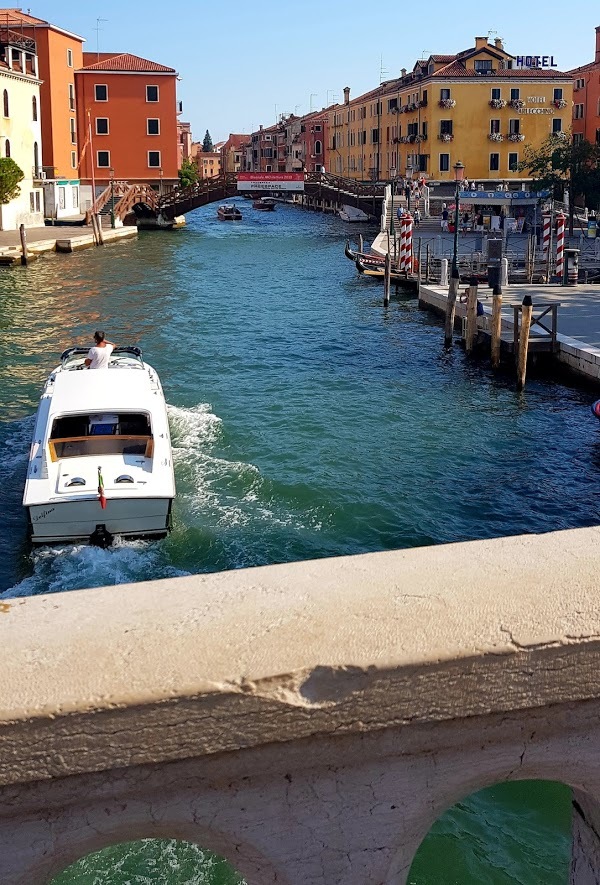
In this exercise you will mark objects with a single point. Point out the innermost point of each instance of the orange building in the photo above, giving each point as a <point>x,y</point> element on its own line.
<point>232,153</point>
<point>208,162</point>
<point>586,99</point>
<point>59,55</point>
<point>130,105</point>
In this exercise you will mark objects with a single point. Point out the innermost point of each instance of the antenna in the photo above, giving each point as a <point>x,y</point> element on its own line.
<point>97,29</point>
<point>489,34</point>
<point>382,70</point>
<point>333,97</point>
<point>425,53</point>
<point>313,95</point>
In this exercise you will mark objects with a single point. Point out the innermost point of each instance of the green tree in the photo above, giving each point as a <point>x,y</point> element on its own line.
<point>188,174</point>
<point>10,176</point>
<point>560,165</point>
<point>207,144</point>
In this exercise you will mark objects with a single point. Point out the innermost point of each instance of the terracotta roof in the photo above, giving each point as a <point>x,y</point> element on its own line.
<point>236,140</point>
<point>583,68</point>
<point>124,61</point>
<point>442,59</point>
<point>15,16</point>
<point>457,69</point>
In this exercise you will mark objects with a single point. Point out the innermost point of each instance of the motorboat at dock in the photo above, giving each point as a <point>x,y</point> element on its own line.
<point>100,462</point>
<point>264,204</point>
<point>352,214</point>
<point>229,212</point>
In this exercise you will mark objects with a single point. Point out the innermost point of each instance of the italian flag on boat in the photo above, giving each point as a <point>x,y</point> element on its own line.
<point>101,496</point>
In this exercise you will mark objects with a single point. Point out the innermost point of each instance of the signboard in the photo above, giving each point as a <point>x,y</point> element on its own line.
<point>270,181</point>
<point>491,196</point>
<point>535,61</point>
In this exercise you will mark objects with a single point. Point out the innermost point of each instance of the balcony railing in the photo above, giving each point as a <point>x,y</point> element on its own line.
<point>496,136</point>
<point>497,103</point>
<point>38,174</point>
<point>445,136</point>
<point>447,103</point>
<point>515,136</point>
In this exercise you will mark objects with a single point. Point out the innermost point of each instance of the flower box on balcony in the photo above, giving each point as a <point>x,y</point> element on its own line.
<point>447,103</point>
<point>515,136</point>
<point>562,135</point>
<point>497,103</point>
<point>413,106</point>
<point>423,103</point>
<point>445,136</point>
<point>517,103</point>
<point>496,136</point>
<point>560,103</point>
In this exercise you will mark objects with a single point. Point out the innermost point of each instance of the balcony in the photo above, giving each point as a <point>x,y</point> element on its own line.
<point>497,103</point>
<point>446,136</point>
<point>38,174</point>
<point>515,136</point>
<point>559,103</point>
<point>517,103</point>
<point>496,136</point>
<point>447,103</point>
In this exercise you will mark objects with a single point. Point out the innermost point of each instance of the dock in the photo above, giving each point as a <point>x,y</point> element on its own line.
<point>42,240</point>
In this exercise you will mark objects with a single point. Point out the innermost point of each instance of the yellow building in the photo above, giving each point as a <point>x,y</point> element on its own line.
<point>208,162</point>
<point>481,107</point>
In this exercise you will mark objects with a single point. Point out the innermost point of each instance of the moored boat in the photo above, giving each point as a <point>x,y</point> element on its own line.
<point>378,271</point>
<point>264,204</point>
<point>229,212</point>
<point>366,257</point>
<point>352,214</point>
<point>100,462</point>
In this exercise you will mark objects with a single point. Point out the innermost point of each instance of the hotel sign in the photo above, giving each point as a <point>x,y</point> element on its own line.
<point>535,61</point>
<point>270,181</point>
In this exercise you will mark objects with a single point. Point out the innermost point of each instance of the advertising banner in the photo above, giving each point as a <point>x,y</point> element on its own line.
<point>270,181</point>
<point>592,228</point>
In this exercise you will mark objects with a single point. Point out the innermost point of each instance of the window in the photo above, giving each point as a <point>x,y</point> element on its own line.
<point>444,162</point>
<point>445,127</point>
<point>34,111</point>
<point>71,97</point>
<point>514,127</point>
<point>69,58</point>
<point>73,135</point>
<point>73,160</point>
<point>578,137</point>
<point>318,147</point>
<point>7,148</point>
<point>153,126</point>
<point>101,92</point>
<point>423,162</point>
<point>374,136</point>
<point>494,126</point>
<point>494,162</point>
<point>483,65</point>
<point>578,113</point>
<point>513,162</point>
<point>557,124</point>
<point>154,159</point>
<point>5,103</point>
<point>103,159</point>
<point>151,93</point>
<point>38,201</point>
<point>31,201</point>
<point>101,125</point>
<point>268,168</point>
<point>318,127</point>
<point>36,158</point>
<point>392,104</point>
<point>558,94</point>
<point>579,84</point>
<point>515,94</point>
<point>444,93</point>
<point>496,94</point>
<point>75,192</point>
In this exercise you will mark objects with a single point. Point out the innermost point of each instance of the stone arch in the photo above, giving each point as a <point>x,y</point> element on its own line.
<point>77,843</point>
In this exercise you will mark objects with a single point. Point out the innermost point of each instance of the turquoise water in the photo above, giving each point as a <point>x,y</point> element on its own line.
<point>307,420</point>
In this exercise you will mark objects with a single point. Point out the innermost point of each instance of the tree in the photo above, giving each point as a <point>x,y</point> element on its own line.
<point>10,176</point>
<point>207,144</point>
<point>188,174</point>
<point>560,165</point>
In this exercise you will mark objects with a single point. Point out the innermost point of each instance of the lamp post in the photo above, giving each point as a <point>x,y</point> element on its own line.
<point>459,174</point>
<point>112,197</point>
<point>160,186</point>
<point>409,175</point>
<point>394,177</point>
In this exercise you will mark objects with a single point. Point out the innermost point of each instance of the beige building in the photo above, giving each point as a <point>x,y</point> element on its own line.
<point>208,162</point>
<point>20,127</point>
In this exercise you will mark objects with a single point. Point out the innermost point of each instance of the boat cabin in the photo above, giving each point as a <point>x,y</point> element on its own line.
<point>94,433</point>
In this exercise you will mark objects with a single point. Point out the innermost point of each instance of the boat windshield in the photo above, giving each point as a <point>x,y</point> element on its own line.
<point>76,436</point>
<point>74,357</point>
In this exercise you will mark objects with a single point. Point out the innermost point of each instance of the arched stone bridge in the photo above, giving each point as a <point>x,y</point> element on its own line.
<point>307,721</point>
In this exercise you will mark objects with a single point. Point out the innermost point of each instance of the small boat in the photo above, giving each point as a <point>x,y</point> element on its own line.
<point>366,257</point>
<point>352,214</point>
<point>264,204</point>
<point>229,212</point>
<point>378,271</point>
<point>100,462</point>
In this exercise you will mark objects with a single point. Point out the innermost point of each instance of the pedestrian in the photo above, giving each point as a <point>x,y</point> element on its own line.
<point>417,217</point>
<point>465,222</point>
<point>444,219</point>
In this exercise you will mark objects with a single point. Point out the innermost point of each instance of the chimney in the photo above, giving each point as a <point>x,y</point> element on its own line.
<point>403,72</point>
<point>346,95</point>
<point>597,45</point>
<point>480,42</point>
<point>498,43</point>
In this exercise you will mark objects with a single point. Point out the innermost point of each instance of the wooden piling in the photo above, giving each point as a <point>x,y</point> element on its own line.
<point>23,237</point>
<point>427,263</point>
<point>419,257</point>
<point>471,315</point>
<point>451,310</point>
<point>496,326</point>
<point>99,229</point>
<point>360,243</point>
<point>386,280</point>
<point>526,313</point>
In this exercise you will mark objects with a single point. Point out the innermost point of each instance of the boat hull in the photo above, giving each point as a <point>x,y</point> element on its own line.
<point>63,521</point>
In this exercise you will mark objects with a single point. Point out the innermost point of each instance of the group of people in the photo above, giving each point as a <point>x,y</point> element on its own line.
<point>416,215</point>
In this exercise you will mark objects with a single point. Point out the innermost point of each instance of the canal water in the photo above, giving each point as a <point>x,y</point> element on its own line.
<point>307,421</point>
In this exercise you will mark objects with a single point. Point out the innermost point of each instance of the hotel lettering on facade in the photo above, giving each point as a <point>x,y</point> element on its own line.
<point>476,107</point>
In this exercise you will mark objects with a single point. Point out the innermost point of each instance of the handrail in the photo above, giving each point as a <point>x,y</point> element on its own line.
<point>118,189</point>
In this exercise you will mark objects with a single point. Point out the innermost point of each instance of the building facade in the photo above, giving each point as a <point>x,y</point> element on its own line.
<point>263,154</point>
<point>477,107</point>
<point>208,162</point>
<point>184,142</point>
<point>20,127</point>
<point>127,108</point>
<point>586,99</point>
<point>233,153</point>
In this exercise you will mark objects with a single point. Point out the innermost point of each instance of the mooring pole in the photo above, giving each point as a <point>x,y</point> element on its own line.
<point>496,326</point>
<point>23,237</point>
<point>471,315</point>
<point>451,310</point>
<point>386,280</point>
<point>526,313</point>
<point>360,243</point>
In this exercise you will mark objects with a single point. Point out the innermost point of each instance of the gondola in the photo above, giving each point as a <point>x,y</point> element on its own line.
<point>377,271</point>
<point>366,257</point>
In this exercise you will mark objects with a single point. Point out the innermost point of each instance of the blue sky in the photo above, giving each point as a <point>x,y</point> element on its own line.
<point>240,64</point>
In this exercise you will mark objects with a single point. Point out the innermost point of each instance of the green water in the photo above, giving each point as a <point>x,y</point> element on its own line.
<point>307,421</point>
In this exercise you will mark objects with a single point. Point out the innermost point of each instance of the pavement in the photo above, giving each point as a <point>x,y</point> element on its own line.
<point>42,234</point>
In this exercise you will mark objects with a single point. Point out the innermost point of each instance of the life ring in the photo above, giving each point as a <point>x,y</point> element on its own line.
<point>596,409</point>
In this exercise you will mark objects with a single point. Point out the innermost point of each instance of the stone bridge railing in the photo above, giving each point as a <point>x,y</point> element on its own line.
<point>308,721</point>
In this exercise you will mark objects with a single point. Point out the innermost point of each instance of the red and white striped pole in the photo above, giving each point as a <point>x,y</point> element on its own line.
<point>402,255</point>
<point>408,255</point>
<point>546,232</point>
<point>560,245</point>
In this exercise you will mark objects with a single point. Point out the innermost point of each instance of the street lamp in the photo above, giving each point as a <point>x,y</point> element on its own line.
<point>459,174</point>
<point>394,177</point>
<point>409,175</point>
<point>112,197</point>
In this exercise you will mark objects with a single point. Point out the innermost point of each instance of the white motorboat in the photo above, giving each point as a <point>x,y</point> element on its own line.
<point>100,462</point>
<point>352,214</point>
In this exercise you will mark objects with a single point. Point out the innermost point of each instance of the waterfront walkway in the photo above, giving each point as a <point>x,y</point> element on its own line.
<point>55,239</point>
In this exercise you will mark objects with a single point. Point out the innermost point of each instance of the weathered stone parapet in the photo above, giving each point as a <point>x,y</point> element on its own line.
<point>316,717</point>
